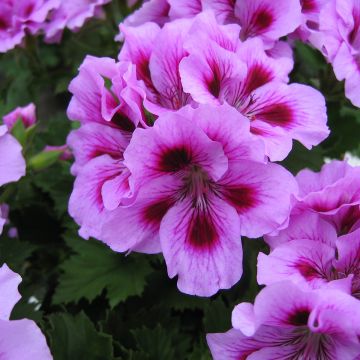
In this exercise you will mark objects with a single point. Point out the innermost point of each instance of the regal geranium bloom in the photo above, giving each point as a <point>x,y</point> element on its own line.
<point>106,92</point>
<point>20,16</point>
<point>106,101</point>
<point>339,40</point>
<point>310,254</point>
<point>157,54</point>
<point>245,77</point>
<point>26,114</point>
<point>203,183</point>
<point>267,19</point>
<point>72,15</point>
<point>20,339</point>
<point>286,322</point>
<point>12,163</point>
<point>334,193</point>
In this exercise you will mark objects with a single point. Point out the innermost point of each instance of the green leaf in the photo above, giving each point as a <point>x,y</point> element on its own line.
<point>19,132</point>
<point>217,317</point>
<point>300,158</point>
<point>94,268</point>
<point>75,337</point>
<point>44,159</point>
<point>14,252</point>
<point>57,182</point>
<point>160,343</point>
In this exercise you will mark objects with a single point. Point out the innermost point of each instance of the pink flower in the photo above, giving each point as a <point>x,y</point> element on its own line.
<point>106,92</point>
<point>71,14</point>
<point>267,19</point>
<point>12,163</point>
<point>17,17</point>
<point>320,246</point>
<point>314,264</point>
<point>201,183</point>
<point>106,101</point>
<point>26,114</point>
<point>334,193</point>
<point>157,54</point>
<point>20,339</point>
<point>339,40</point>
<point>222,69</point>
<point>286,322</point>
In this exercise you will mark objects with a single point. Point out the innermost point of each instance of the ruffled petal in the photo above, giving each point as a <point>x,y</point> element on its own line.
<point>199,240</point>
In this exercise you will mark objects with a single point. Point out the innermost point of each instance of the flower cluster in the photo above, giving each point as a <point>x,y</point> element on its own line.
<point>176,138</point>
<point>310,306</point>
<point>51,17</point>
<point>20,339</point>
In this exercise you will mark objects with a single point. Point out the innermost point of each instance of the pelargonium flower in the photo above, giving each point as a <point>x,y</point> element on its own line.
<point>339,40</point>
<point>244,76</point>
<point>201,182</point>
<point>334,193</point>
<point>313,257</point>
<point>71,14</point>
<point>157,54</point>
<point>286,322</point>
<point>106,101</point>
<point>26,114</point>
<point>17,17</point>
<point>20,339</point>
<point>268,20</point>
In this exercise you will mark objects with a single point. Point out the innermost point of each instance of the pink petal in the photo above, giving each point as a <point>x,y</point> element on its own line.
<point>12,163</point>
<point>184,8</point>
<point>93,140</point>
<point>9,294</point>
<point>86,204</point>
<point>254,190</point>
<point>298,109</point>
<point>137,227</point>
<point>306,263</point>
<point>227,126</point>
<point>23,340</point>
<point>26,114</point>
<point>212,74</point>
<point>164,65</point>
<point>268,19</point>
<point>232,345</point>
<point>202,246</point>
<point>305,226</point>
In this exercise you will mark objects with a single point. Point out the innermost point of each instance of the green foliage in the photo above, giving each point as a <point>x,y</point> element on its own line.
<point>91,302</point>
<point>75,337</point>
<point>94,268</point>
